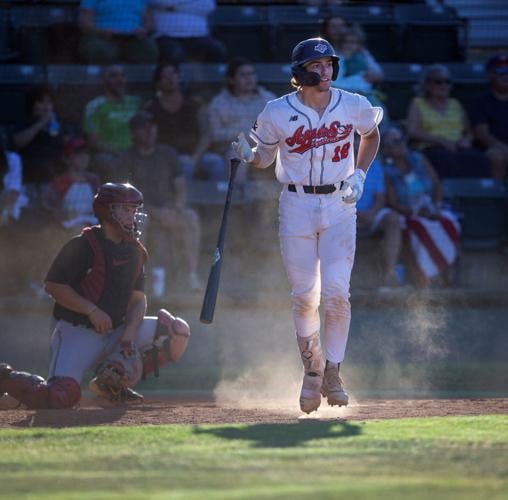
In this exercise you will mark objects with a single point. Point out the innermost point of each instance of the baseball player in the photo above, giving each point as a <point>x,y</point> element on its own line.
<point>97,282</point>
<point>310,133</point>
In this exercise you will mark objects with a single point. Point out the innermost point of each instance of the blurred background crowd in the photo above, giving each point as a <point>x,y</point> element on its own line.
<point>154,91</point>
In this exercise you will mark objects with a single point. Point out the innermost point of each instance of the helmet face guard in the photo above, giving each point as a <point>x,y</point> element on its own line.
<point>309,50</point>
<point>118,205</point>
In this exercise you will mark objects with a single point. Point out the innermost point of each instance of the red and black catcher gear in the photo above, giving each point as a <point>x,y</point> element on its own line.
<point>113,193</point>
<point>307,51</point>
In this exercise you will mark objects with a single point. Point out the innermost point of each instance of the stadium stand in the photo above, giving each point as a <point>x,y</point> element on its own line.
<point>430,33</point>
<point>38,41</point>
<point>481,204</point>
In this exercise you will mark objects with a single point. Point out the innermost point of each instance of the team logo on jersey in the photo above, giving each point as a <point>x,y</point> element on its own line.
<point>304,140</point>
<point>321,48</point>
<point>293,118</point>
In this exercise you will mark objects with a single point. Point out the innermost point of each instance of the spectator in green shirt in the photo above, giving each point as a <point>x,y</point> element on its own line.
<point>106,121</point>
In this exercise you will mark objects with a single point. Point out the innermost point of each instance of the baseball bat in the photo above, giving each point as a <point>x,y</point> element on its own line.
<point>212,286</point>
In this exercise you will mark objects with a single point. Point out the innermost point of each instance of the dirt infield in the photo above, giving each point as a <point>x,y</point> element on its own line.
<point>207,411</point>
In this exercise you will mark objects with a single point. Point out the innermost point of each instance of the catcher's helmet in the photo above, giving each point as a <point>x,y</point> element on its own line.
<point>307,51</point>
<point>113,193</point>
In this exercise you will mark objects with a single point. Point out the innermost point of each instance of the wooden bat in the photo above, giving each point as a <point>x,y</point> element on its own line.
<point>212,286</point>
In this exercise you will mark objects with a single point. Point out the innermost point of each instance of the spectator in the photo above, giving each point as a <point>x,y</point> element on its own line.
<point>116,31</point>
<point>39,142</point>
<point>154,168</point>
<point>12,199</point>
<point>358,70</point>
<point>375,218</point>
<point>106,120</point>
<point>182,32</point>
<point>490,116</point>
<point>334,29</point>
<point>70,195</point>
<point>431,233</point>
<point>438,125</point>
<point>236,108</point>
<point>181,121</point>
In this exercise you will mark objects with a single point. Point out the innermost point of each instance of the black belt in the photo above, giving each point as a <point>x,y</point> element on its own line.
<point>323,189</point>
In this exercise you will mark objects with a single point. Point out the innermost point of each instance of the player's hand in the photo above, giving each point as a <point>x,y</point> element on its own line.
<point>355,183</point>
<point>100,320</point>
<point>242,149</point>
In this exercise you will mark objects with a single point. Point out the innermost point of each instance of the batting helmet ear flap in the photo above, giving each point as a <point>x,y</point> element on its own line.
<point>335,66</point>
<point>304,77</point>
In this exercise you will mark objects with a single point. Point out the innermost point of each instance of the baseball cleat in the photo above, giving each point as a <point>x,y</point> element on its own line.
<point>7,402</point>
<point>116,397</point>
<point>333,388</point>
<point>310,395</point>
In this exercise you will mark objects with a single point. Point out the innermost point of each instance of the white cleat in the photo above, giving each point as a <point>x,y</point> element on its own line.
<point>310,395</point>
<point>333,388</point>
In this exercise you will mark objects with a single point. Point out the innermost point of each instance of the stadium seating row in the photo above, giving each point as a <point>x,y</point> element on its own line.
<point>268,33</point>
<point>82,82</point>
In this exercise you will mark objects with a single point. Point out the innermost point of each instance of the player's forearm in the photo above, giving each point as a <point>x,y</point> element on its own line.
<point>69,298</point>
<point>263,157</point>
<point>367,150</point>
<point>136,311</point>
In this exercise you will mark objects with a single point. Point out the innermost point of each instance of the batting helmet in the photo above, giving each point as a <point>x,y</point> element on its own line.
<point>112,193</point>
<point>307,51</point>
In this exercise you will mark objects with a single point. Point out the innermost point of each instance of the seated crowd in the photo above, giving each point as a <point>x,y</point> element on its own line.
<point>173,137</point>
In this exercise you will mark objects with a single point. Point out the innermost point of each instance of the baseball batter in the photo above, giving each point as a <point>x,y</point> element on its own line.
<point>310,133</point>
<point>97,283</point>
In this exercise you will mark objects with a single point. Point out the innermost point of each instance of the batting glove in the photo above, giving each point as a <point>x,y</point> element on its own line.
<point>355,182</point>
<point>242,149</point>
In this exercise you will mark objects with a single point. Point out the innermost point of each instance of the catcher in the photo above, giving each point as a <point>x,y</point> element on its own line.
<point>97,282</point>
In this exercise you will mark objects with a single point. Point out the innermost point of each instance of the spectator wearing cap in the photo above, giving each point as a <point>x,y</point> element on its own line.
<point>70,195</point>
<point>182,31</point>
<point>437,124</point>
<point>116,30</point>
<point>490,115</point>
<point>106,120</point>
<point>155,170</point>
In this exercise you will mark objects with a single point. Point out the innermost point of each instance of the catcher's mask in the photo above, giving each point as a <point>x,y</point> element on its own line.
<point>306,51</point>
<point>118,204</point>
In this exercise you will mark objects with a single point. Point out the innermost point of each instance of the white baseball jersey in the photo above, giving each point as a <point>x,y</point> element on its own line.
<point>314,150</point>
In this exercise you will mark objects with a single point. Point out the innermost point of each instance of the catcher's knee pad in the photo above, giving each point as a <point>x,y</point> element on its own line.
<point>64,392</point>
<point>35,393</point>
<point>170,342</point>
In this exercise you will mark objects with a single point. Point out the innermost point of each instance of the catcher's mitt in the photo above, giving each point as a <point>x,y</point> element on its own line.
<point>122,368</point>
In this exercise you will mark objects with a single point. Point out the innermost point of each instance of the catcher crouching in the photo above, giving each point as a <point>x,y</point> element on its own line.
<point>97,281</point>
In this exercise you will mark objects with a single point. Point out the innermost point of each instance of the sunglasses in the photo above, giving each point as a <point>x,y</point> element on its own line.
<point>440,81</point>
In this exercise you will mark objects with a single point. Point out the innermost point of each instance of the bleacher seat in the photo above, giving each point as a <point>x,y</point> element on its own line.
<point>430,34</point>
<point>46,33</point>
<point>481,204</point>
<point>244,30</point>
<point>293,24</point>
<point>378,24</point>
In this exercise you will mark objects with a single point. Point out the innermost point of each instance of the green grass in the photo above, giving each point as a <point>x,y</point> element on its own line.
<point>453,457</point>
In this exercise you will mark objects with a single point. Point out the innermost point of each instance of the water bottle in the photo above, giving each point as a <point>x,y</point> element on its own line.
<point>158,281</point>
<point>53,126</point>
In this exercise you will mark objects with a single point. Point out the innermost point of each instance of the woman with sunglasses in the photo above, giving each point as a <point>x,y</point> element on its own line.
<point>437,124</point>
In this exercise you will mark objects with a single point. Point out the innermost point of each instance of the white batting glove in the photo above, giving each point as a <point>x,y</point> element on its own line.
<point>242,149</point>
<point>355,182</point>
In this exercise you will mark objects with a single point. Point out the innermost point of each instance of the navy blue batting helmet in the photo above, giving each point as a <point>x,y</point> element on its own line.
<point>307,51</point>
